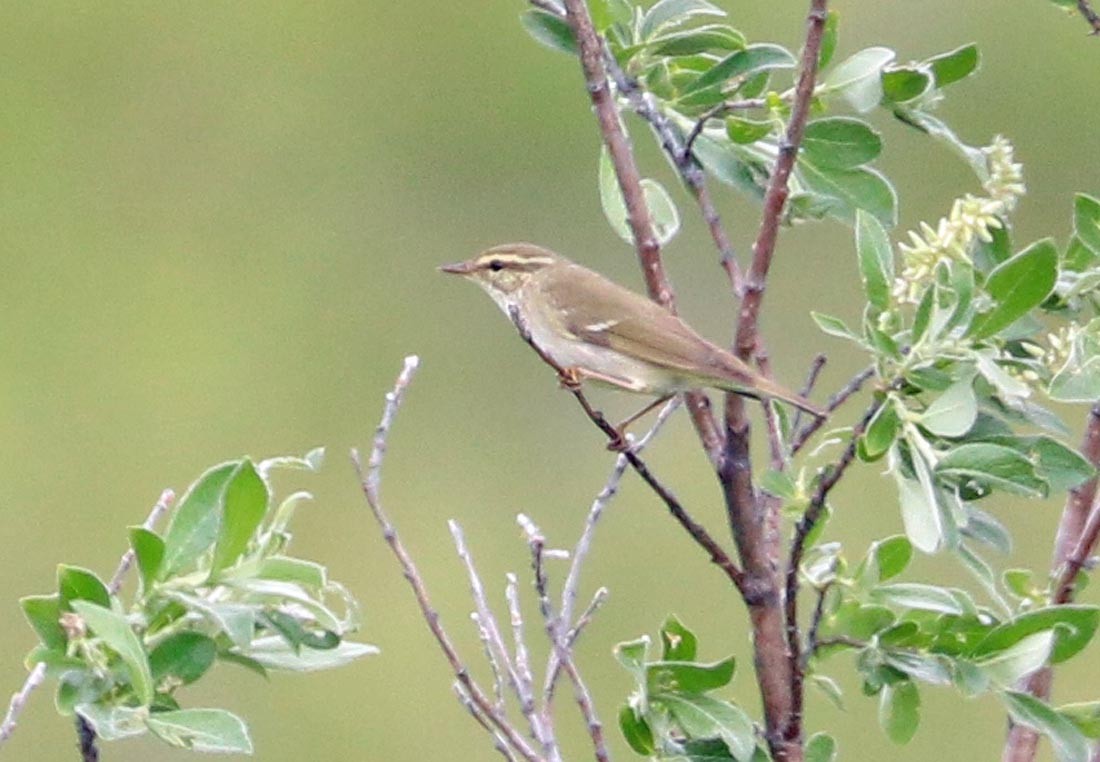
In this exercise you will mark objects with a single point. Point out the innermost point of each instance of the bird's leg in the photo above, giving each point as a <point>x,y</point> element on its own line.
<point>620,442</point>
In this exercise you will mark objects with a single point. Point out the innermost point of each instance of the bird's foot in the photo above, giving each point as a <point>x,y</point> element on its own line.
<point>570,379</point>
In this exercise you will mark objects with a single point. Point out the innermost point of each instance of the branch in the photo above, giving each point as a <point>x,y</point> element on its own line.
<point>87,737</point>
<point>1090,15</point>
<point>754,524</point>
<point>854,385</point>
<point>370,482</point>
<point>816,366</point>
<point>802,530</point>
<point>718,556</point>
<point>38,674</point>
<point>591,54</point>
<point>679,153</point>
<point>1077,536</point>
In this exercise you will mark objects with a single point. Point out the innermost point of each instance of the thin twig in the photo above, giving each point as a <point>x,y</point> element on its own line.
<point>553,670</point>
<point>702,537</point>
<point>610,489</point>
<point>716,111</point>
<point>498,740</point>
<point>803,528</point>
<point>812,634</point>
<point>583,696</point>
<point>498,656</point>
<point>38,675</point>
<point>370,482</point>
<point>816,366</point>
<point>1075,542</point>
<point>852,387</point>
<point>127,560</point>
<point>591,55</point>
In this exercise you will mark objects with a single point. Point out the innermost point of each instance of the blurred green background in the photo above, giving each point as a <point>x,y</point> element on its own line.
<point>220,223</point>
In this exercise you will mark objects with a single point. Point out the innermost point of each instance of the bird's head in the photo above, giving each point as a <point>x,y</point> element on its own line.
<point>504,270</point>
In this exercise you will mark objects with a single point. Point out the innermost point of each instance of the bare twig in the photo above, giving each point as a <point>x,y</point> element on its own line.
<point>591,54</point>
<point>1076,540</point>
<point>816,366</point>
<point>38,675</point>
<point>805,525</point>
<point>812,635</point>
<point>852,387</point>
<point>553,667</point>
<point>698,532</point>
<point>1085,8</point>
<point>498,657</point>
<point>716,111</point>
<point>537,544</point>
<point>370,482</point>
<point>499,743</point>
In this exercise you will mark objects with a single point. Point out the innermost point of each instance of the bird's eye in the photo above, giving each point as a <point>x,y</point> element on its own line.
<point>496,265</point>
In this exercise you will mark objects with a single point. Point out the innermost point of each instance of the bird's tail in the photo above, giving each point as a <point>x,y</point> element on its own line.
<point>765,387</point>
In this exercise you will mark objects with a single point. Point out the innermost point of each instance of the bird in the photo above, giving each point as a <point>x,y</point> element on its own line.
<point>593,329</point>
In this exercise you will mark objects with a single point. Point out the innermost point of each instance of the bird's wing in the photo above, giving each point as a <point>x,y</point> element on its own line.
<point>609,315</point>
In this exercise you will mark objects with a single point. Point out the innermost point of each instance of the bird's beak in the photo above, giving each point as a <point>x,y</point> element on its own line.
<point>457,268</point>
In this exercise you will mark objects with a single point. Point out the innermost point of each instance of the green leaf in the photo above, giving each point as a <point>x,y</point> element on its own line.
<point>920,514</point>
<point>1077,383</point>
<point>1017,286</point>
<point>904,83</point>
<point>828,40</point>
<point>632,655</point>
<point>955,65</point>
<point>704,717</point>
<point>1068,742</point>
<point>1006,668</point>
<point>1085,715</point>
<point>662,211</point>
<point>840,141</point>
<point>195,524</point>
<point>209,730</point>
<point>666,14</point>
<point>116,633</point>
<point>149,552</point>
<point>689,676</point>
<point>821,748</point>
<point>77,584</point>
<point>112,723</point>
<point>876,259</point>
<point>852,189</point>
<point>245,505</point>
<point>1075,626</point>
<point>885,559</point>
<point>745,131</point>
<point>680,643</point>
<point>954,412</point>
<point>184,657</point>
<point>992,465</point>
<point>698,40</point>
<point>236,620</point>
<point>274,653</point>
<point>881,432</point>
<point>829,688</point>
<point>858,79</point>
<point>742,63</point>
<point>928,668</point>
<point>285,569</point>
<point>914,595</point>
<point>833,326</point>
<point>636,731</point>
<point>607,13</point>
<point>43,613</point>
<point>899,711</point>
<point>1086,221</point>
<point>549,30</point>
